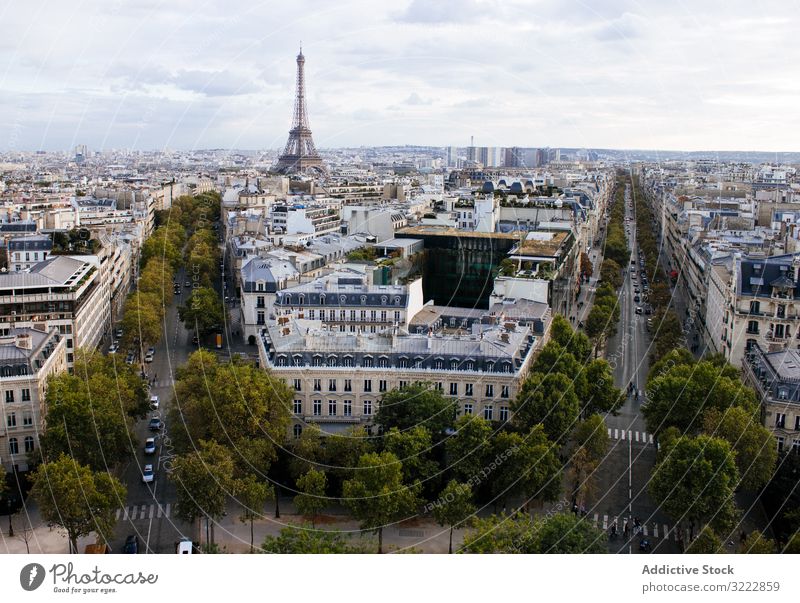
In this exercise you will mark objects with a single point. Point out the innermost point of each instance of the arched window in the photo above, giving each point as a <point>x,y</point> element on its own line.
<point>347,361</point>
<point>301,299</point>
<point>506,367</point>
<point>439,363</point>
<point>418,362</point>
<point>317,360</point>
<point>363,299</point>
<point>333,360</point>
<point>297,360</point>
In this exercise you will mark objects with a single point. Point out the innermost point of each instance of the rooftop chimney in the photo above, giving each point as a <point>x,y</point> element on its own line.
<point>24,341</point>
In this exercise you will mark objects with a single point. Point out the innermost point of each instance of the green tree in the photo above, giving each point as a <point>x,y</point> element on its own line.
<point>236,404</point>
<point>523,465</point>
<point>306,540</point>
<point>560,533</point>
<point>312,498</point>
<point>589,445</point>
<point>574,342</point>
<point>756,544</point>
<point>203,311</point>
<point>78,499</point>
<point>755,446</point>
<point>611,272</point>
<point>85,422</point>
<point>547,399</point>
<point>706,543</point>
<point>307,451</point>
<point>467,449</point>
<point>413,447</point>
<point>203,480</point>
<point>586,264</point>
<point>341,453</point>
<point>142,318</point>
<point>694,478</point>
<point>602,395</point>
<point>680,396</point>
<point>416,404</point>
<point>377,496</point>
<point>453,507</point>
<point>252,494</point>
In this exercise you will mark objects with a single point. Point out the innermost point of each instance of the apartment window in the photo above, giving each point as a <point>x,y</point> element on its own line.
<point>331,385</point>
<point>352,314</point>
<point>402,384</point>
<point>331,408</point>
<point>382,385</point>
<point>752,327</point>
<point>317,385</point>
<point>454,389</point>
<point>298,386</point>
<point>348,385</point>
<point>9,396</point>
<point>397,316</point>
<point>489,390</point>
<point>316,361</point>
<point>297,407</point>
<point>27,256</point>
<point>783,393</point>
<point>780,444</point>
<point>780,420</point>
<point>260,302</point>
<point>260,287</point>
<point>373,315</point>
<point>755,307</point>
<point>13,446</point>
<point>342,315</point>
<point>26,395</point>
<point>382,362</point>
<point>797,423</point>
<point>383,315</point>
<point>468,389</point>
<point>504,414</point>
<point>779,331</point>
<point>28,443</point>
<point>27,419</point>
<point>317,407</point>
<point>259,318</point>
<point>368,363</point>
<point>11,419</point>
<point>322,314</point>
<point>467,408</point>
<point>297,430</point>
<point>504,392</point>
<point>488,412</point>
<point>347,408</point>
<point>367,407</point>
<point>781,313</point>
<point>439,386</point>
<point>312,314</point>
<point>348,360</point>
<point>438,363</point>
<point>453,365</point>
<point>403,363</point>
<point>469,366</point>
<point>363,316</point>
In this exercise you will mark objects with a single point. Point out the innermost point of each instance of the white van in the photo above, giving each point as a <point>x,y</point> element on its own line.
<point>183,547</point>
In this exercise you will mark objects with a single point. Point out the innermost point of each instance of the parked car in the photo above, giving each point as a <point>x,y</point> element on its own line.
<point>150,446</point>
<point>156,424</point>
<point>187,284</point>
<point>154,402</point>
<point>184,546</point>
<point>147,475</point>
<point>118,333</point>
<point>113,349</point>
<point>638,310</point>
<point>131,545</point>
<point>130,358</point>
<point>636,298</point>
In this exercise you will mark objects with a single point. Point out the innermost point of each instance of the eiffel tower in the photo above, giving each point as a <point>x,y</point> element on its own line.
<point>300,154</point>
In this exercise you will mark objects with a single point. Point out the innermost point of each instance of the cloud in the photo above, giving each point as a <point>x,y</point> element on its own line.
<point>445,11</point>
<point>213,83</point>
<point>416,99</point>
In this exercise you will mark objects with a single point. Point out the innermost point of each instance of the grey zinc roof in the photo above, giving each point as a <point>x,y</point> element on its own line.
<point>786,363</point>
<point>30,243</point>
<point>54,272</point>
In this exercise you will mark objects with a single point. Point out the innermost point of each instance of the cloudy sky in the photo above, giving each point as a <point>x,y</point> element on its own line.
<point>181,74</point>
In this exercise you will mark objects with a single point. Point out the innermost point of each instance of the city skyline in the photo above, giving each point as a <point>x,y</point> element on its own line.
<point>624,76</point>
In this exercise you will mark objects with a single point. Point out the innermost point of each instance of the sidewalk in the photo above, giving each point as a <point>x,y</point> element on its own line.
<point>41,538</point>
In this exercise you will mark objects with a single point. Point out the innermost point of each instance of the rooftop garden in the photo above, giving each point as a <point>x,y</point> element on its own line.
<point>77,241</point>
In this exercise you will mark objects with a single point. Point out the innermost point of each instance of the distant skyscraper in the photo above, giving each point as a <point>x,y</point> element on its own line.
<point>300,154</point>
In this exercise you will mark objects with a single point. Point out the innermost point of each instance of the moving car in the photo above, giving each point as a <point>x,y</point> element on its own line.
<point>154,402</point>
<point>636,298</point>
<point>638,310</point>
<point>150,446</point>
<point>131,545</point>
<point>147,474</point>
<point>118,333</point>
<point>187,284</point>
<point>151,352</point>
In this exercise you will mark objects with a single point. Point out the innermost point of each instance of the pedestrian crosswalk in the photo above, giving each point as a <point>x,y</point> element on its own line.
<point>152,511</point>
<point>640,437</point>
<point>651,530</point>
